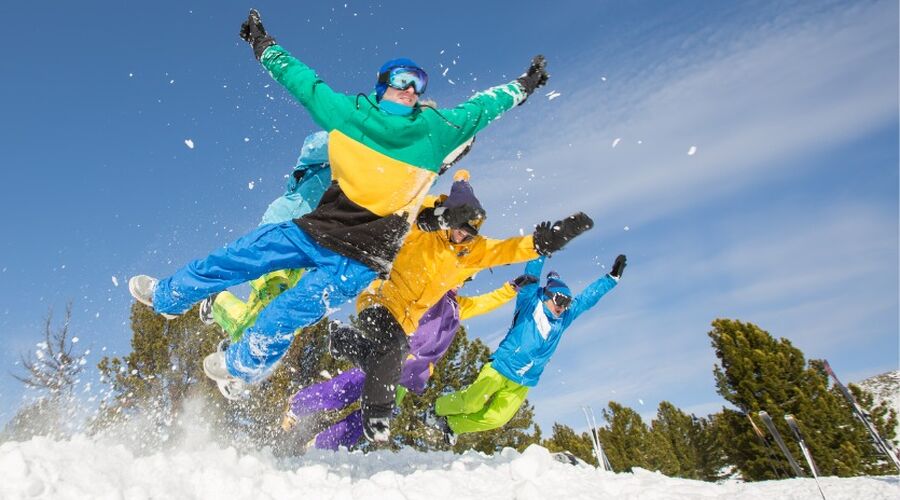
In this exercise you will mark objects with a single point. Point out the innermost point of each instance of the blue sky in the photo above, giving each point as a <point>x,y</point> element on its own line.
<point>786,215</point>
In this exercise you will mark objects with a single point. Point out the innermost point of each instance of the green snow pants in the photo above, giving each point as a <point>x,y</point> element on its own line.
<point>490,402</point>
<point>234,315</point>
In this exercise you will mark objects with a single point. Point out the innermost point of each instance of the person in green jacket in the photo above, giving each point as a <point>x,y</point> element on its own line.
<point>385,152</point>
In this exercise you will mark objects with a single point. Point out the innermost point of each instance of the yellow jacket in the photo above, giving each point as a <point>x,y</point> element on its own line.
<point>428,265</point>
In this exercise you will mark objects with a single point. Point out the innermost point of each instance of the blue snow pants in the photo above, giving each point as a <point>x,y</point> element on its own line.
<point>330,280</point>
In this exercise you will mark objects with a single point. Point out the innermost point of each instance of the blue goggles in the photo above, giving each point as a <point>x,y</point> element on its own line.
<point>404,77</point>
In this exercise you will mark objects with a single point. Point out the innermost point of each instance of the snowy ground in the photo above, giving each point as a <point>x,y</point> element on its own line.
<point>84,468</point>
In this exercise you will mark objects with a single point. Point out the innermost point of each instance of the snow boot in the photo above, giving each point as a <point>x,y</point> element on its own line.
<point>377,429</point>
<point>439,423</point>
<point>142,288</point>
<point>214,367</point>
<point>206,310</point>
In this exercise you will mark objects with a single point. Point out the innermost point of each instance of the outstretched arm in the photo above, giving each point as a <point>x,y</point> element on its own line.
<point>327,107</point>
<point>533,268</point>
<point>484,107</point>
<point>490,252</point>
<point>596,290</point>
<point>470,307</point>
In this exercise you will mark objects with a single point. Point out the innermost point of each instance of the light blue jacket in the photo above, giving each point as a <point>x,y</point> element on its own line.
<point>303,195</point>
<point>535,332</point>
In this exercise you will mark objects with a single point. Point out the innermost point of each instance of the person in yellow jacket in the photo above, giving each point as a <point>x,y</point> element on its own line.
<point>442,250</point>
<point>429,343</point>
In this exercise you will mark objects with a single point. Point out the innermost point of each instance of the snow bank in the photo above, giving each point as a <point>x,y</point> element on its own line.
<point>84,468</point>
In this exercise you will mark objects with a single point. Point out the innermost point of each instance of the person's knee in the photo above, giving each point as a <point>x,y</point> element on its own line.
<point>473,405</point>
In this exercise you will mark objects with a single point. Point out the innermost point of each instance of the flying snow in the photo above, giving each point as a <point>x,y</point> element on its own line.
<point>115,281</point>
<point>189,143</point>
<point>250,185</point>
<point>616,141</point>
<point>692,150</point>
<point>552,95</point>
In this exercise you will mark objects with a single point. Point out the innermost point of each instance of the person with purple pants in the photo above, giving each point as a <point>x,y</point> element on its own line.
<point>427,346</point>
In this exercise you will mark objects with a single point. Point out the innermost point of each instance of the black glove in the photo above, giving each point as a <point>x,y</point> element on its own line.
<point>456,217</point>
<point>535,77</point>
<point>253,32</point>
<point>549,238</point>
<point>523,280</point>
<point>618,267</point>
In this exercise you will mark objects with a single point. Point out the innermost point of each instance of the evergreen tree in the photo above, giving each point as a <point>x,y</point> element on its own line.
<point>564,438</point>
<point>692,442</point>
<point>757,372</point>
<point>625,440</point>
<point>152,382</point>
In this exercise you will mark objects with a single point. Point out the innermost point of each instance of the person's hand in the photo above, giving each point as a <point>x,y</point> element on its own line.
<point>523,281</point>
<point>253,32</point>
<point>549,238</point>
<point>535,76</point>
<point>618,267</point>
<point>456,217</point>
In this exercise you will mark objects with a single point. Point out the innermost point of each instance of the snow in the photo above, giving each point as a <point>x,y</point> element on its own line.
<point>189,143</point>
<point>89,468</point>
<point>616,141</point>
<point>115,281</point>
<point>692,150</point>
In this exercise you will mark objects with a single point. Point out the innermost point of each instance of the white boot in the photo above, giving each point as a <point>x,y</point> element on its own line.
<point>142,288</point>
<point>206,310</point>
<point>377,429</point>
<point>231,387</point>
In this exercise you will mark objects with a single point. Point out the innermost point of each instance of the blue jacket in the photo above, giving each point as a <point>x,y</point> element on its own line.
<point>303,194</point>
<point>535,332</point>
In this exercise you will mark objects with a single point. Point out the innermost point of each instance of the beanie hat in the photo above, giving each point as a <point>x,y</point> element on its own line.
<point>461,193</point>
<point>389,65</point>
<point>555,284</point>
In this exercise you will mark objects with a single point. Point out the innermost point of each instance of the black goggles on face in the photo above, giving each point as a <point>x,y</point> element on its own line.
<point>560,299</point>
<point>404,77</point>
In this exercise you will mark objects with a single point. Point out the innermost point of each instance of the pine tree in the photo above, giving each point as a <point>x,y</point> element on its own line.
<point>625,440</point>
<point>153,381</point>
<point>758,372</point>
<point>564,438</point>
<point>691,441</point>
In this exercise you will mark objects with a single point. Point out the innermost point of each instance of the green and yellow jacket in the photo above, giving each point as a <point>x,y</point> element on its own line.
<point>382,164</point>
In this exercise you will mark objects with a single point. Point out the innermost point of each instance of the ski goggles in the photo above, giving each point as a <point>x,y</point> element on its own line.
<point>404,77</point>
<point>559,299</point>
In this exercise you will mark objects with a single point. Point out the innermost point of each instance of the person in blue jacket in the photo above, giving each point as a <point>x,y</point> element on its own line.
<point>542,315</point>
<point>306,184</point>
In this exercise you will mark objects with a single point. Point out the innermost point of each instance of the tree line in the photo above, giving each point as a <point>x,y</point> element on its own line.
<point>153,387</point>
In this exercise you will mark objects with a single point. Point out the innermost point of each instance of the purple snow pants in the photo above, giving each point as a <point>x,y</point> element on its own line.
<point>333,394</point>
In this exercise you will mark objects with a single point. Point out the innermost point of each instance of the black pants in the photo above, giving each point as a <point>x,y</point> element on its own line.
<point>379,349</point>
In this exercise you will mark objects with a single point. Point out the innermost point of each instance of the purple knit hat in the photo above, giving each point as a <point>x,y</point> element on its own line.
<point>461,193</point>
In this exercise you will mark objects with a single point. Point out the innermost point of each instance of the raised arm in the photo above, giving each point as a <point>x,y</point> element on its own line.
<point>596,290</point>
<point>486,106</point>
<point>470,307</point>
<point>328,108</point>
<point>532,269</point>
<point>488,252</point>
